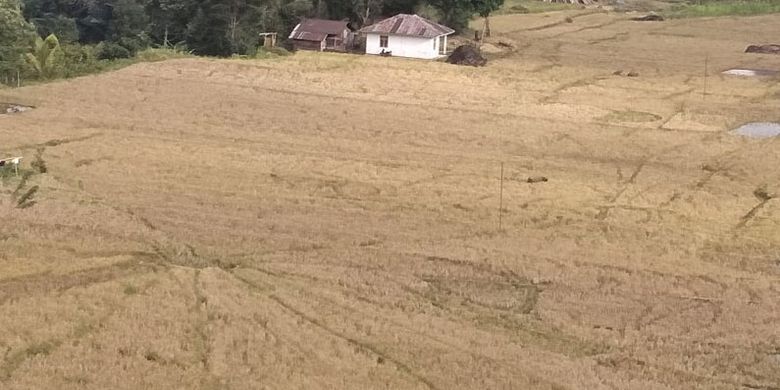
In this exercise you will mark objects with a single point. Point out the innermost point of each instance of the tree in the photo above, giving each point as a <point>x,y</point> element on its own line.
<point>168,20</point>
<point>289,13</point>
<point>360,10</point>
<point>484,8</point>
<point>392,7</point>
<point>454,13</point>
<point>43,58</point>
<point>244,19</point>
<point>128,25</point>
<point>48,19</point>
<point>15,34</point>
<point>207,31</point>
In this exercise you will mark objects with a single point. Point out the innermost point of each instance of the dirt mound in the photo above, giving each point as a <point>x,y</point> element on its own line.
<point>763,49</point>
<point>491,48</point>
<point>467,55</point>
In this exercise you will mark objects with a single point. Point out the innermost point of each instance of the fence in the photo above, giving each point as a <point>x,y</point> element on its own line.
<point>11,79</point>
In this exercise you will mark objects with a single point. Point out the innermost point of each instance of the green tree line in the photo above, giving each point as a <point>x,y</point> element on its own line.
<point>111,29</point>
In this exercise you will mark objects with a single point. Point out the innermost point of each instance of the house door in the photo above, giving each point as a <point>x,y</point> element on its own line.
<point>443,45</point>
<point>331,42</point>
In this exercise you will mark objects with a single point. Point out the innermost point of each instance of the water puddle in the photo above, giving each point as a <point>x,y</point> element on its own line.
<point>751,72</point>
<point>758,130</point>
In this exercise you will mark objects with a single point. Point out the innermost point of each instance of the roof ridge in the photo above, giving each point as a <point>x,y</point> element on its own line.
<point>409,25</point>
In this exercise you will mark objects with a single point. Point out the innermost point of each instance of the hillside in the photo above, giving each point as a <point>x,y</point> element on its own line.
<point>331,221</point>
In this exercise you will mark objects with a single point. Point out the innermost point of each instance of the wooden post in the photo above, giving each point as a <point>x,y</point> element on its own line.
<point>704,92</point>
<point>501,198</point>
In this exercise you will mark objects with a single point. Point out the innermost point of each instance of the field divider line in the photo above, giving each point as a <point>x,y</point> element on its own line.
<point>457,109</point>
<point>317,323</point>
<point>45,282</point>
<point>349,293</point>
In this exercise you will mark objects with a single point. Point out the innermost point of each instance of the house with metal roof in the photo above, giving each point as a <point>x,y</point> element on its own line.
<point>322,35</point>
<point>406,35</point>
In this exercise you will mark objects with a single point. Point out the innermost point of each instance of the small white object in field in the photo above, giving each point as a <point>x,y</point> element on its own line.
<point>11,160</point>
<point>15,108</point>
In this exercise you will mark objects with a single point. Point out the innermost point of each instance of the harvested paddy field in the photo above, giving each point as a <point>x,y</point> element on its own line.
<point>332,221</point>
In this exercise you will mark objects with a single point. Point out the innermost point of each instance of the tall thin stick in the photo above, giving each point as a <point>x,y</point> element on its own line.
<point>501,198</point>
<point>704,92</point>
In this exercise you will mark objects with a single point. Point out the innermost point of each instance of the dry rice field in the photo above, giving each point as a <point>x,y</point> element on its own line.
<point>326,221</point>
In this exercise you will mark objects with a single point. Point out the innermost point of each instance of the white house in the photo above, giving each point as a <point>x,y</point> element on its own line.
<point>407,36</point>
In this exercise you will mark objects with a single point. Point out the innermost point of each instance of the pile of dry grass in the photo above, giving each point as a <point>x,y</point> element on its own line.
<point>467,55</point>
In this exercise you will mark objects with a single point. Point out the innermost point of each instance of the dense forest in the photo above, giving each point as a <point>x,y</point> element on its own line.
<point>83,30</point>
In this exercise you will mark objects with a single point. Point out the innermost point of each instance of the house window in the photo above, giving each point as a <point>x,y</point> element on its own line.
<point>383,41</point>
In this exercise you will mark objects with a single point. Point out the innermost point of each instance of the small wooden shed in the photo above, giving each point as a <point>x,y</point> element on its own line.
<point>322,35</point>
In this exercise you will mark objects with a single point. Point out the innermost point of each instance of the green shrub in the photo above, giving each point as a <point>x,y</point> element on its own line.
<point>130,289</point>
<point>280,51</point>
<point>518,9</point>
<point>135,43</point>
<point>78,60</point>
<point>111,51</point>
<point>271,52</point>
<point>161,54</point>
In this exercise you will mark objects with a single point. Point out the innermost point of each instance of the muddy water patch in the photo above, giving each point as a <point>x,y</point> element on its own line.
<point>758,130</point>
<point>751,72</point>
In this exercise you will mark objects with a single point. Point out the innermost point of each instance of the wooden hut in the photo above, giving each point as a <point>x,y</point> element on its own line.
<point>322,35</point>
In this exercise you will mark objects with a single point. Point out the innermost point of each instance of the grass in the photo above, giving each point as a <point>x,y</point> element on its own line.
<point>8,172</point>
<point>83,67</point>
<point>130,289</point>
<point>15,359</point>
<point>146,55</point>
<point>161,54</point>
<point>713,8</point>
<point>533,7</point>
<point>271,52</point>
<point>26,200</point>
<point>326,220</point>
